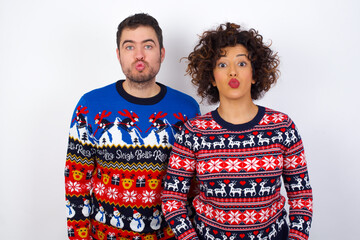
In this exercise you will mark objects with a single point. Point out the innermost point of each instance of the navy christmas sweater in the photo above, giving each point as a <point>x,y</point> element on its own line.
<point>240,169</point>
<point>118,152</point>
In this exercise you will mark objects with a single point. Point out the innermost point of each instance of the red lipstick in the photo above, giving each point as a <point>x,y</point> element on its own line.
<point>234,83</point>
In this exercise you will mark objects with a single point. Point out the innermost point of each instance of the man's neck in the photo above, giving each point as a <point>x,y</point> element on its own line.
<point>141,90</point>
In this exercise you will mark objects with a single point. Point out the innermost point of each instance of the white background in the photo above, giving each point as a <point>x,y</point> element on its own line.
<point>52,52</point>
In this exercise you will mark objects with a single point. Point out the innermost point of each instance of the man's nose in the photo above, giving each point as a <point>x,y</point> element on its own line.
<point>139,54</point>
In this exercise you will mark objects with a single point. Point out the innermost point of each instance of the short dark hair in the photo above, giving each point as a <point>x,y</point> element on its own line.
<point>202,60</point>
<point>136,20</point>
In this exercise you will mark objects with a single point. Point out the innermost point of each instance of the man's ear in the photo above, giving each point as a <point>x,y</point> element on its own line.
<point>118,54</point>
<point>162,54</point>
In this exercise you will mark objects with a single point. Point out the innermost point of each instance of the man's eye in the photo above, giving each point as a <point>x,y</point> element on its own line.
<point>148,47</point>
<point>129,47</point>
<point>242,64</point>
<point>221,65</point>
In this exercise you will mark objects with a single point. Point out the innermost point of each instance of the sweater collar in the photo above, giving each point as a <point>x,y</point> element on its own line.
<point>239,127</point>
<point>141,101</point>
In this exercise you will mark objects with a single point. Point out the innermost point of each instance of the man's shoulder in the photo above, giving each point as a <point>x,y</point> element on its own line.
<point>177,95</point>
<point>100,92</point>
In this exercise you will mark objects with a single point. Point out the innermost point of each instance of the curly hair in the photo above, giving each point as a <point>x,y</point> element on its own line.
<point>202,60</point>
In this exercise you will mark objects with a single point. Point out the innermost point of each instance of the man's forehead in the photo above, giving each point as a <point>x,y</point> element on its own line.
<point>138,34</point>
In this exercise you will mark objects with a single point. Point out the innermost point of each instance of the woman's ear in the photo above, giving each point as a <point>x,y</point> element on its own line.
<point>213,83</point>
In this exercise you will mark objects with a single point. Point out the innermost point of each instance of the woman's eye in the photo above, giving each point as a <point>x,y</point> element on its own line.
<point>221,65</point>
<point>242,64</point>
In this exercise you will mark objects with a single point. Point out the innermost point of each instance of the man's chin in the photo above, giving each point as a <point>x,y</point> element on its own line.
<point>140,80</point>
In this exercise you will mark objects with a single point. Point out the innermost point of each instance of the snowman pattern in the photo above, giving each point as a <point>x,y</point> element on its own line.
<point>156,220</point>
<point>86,210</point>
<point>137,224</point>
<point>116,219</point>
<point>100,215</point>
<point>70,213</point>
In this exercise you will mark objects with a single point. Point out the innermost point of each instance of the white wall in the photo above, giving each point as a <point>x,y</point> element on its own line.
<point>51,52</point>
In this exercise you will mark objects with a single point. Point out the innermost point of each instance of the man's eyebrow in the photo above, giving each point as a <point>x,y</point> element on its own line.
<point>149,40</point>
<point>144,41</point>
<point>127,41</point>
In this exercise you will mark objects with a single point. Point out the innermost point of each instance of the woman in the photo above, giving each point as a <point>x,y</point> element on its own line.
<point>240,151</point>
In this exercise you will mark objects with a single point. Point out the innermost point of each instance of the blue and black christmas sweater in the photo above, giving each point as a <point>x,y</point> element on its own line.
<point>118,152</point>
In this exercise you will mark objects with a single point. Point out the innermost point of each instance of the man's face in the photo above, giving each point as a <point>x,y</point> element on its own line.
<point>139,54</point>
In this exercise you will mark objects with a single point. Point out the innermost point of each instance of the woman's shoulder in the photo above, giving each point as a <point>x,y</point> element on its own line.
<point>201,122</point>
<point>276,117</point>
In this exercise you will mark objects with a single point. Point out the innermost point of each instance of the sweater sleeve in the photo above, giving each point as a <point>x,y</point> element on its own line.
<point>79,169</point>
<point>176,188</point>
<point>297,185</point>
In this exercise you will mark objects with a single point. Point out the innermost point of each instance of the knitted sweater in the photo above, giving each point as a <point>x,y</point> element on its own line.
<point>239,168</point>
<point>118,152</point>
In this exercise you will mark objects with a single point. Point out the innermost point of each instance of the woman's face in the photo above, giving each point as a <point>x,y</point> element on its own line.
<point>233,74</point>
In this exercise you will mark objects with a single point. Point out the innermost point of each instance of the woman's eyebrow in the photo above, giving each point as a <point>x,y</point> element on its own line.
<point>242,54</point>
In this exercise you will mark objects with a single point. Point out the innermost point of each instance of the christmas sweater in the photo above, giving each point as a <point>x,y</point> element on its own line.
<point>117,156</point>
<point>240,169</point>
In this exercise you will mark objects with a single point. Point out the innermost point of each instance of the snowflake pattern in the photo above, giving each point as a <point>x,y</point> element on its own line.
<point>172,205</point>
<point>112,193</point>
<point>175,161</point>
<point>250,217</point>
<point>200,167</point>
<point>265,120</point>
<point>264,215</point>
<point>280,161</point>
<point>220,215</point>
<point>251,164</point>
<point>302,159</point>
<point>233,165</point>
<point>215,165</point>
<point>234,217</point>
<point>73,186</point>
<point>199,206</point>
<point>269,163</point>
<point>99,189</point>
<point>297,204</point>
<point>209,211</point>
<point>277,117</point>
<point>148,196</point>
<point>189,165</point>
<point>201,124</point>
<point>213,125</point>
<point>129,196</point>
<point>309,204</point>
<point>291,163</point>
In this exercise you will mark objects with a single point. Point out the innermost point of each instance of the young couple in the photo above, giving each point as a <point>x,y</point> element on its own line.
<point>137,146</point>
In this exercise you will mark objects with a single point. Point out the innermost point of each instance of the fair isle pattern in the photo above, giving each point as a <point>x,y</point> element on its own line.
<point>117,157</point>
<point>240,169</point>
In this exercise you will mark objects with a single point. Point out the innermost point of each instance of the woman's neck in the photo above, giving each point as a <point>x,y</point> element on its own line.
<point>237,112</point>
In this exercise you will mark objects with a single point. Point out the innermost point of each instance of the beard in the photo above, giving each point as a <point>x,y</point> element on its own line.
<point>145,76</point>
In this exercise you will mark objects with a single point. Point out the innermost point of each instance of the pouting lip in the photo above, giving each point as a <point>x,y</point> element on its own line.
<point>234,83</point>
<point>140,65</point>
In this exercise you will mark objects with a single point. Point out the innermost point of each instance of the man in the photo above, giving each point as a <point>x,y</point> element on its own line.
<point>120,140</point>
